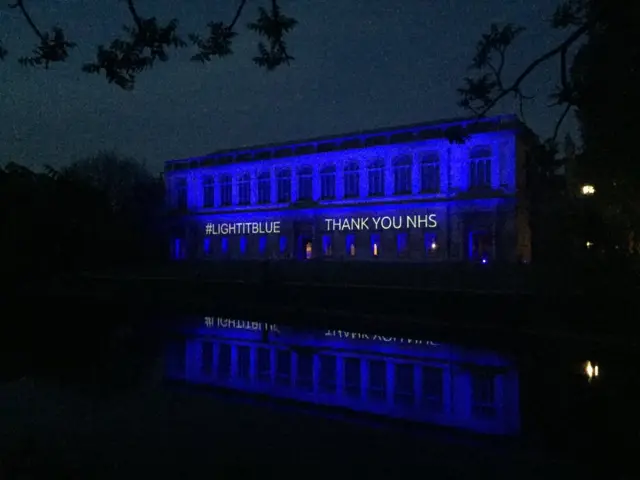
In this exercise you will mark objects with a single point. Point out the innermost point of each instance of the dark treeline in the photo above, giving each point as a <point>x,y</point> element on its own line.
<point>101,211</point>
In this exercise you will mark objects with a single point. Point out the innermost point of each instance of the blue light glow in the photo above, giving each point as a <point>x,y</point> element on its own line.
<point>405,378</point>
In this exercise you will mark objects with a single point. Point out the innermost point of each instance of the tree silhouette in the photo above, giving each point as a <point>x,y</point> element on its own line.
<point>147,41</point>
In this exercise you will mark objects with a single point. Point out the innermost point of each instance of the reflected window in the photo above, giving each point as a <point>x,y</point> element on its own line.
<point>264,188</point>
<point>402,175</point>
<point>378,380</point>
<point>328,183</point>
<point>304,376</point>
<point>305,183</point>
<point>376,178</point>
<point>483,403</point>
<point>244,362</point>
<point>263,365</point>
<point>351,180</point>
<point>432,389</point>
<point>283,368</point>
<point>404,385</point>
<point>223,371</point>
<point>226,190</point>
<point>430,173</point>
<point>244,189</point>
<point>327,381</point>
<point>208,193</point>
<point>480,167</point>
<point>353,377</point>
<point>207,358</point>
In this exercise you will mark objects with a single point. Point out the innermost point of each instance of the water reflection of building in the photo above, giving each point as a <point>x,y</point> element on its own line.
<point>403,378</point>
<point>404,193</point>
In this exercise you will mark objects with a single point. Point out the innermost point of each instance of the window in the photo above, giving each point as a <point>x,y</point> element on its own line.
<point>243,245</point>
<point>430,243</point>
<point>284,185</point>
<point>378,380</point>
<point>402,175</point>
<point>480,245</point>
<point>326,245</point>
<point>263,245</point>
<point>352,377</point>
<point>328,183</point>
<point>207,246</point>
<point>351,245</point>
<point>402,241</point>
<point>226,191</point>
<point>376,178</point>
<point>305,183</point>
<point>264,188</point>
<point>244,362</point>
<point>432,388</point>
<point>244,189</point>
<point>283,245</point>
<point>304,374</point>
<point>430,173</point>
<point>208,187</point>
<point>224,361</point>
<point>375,244</point>
<point>207,358</point>
<point>264,365</point>
<point>483,394</point>
<point>328,372</point>
<point>224,245</point>
<point>181,193</point>
<point>351,180</point>
<point>480,167</point>
<point>283,368</point>
<point>404,385</point>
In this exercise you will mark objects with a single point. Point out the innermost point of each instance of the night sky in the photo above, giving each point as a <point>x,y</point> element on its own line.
<point>359,65</point>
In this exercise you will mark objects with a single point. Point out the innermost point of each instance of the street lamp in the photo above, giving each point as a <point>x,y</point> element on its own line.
<point>588,189</point>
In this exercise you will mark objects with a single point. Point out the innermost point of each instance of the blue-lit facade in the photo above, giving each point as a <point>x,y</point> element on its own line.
<point>400,194</point>
<point>410,379</point>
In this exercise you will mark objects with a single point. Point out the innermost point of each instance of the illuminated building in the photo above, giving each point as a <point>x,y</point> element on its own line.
<point>404,378</point>
<point>405,193</point>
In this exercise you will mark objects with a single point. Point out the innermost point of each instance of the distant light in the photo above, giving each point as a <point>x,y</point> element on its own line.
<point>588,189</point>
<point>591,370</point>
<point>589,244</point>
<point>375,249</point>
<point>308,250</point>
<point>434,245</point>
<point>484,260</point>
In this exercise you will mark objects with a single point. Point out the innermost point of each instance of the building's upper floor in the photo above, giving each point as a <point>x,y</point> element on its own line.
<point>417,162</point>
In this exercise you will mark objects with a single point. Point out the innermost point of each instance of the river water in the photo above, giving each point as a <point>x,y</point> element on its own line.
<point>240,398</point>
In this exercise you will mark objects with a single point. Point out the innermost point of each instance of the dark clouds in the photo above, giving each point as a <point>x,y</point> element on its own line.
<point>358,65</point>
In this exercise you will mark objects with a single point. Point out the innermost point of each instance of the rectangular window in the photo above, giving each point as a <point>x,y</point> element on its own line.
<point>207,358</point>
<point>264,365</point>
<point>430,243</point>
<point>284,186</point>
<point>263,245</point>
<point>283,245</point>
<point>353,377</point>
<point>207,246</point>
<point>483,402</point>
<point>243,245</point>
<point>430,173</point>
<point>431,396</point>
<point>378,380</point>
<point>352,180</point>
<point>376,180</point>
<point>177,249</point>
<point>402,241</point>
<point>480,167</point>
<point>328,372</point>
<point>351,245</point>
<point>326,245</point>
<point>224,245</point>
<point>404,386</point>
<point>375,244</point>
<point>208,186</point>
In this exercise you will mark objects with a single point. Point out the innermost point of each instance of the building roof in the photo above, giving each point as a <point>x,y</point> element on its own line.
<point>454,129</point>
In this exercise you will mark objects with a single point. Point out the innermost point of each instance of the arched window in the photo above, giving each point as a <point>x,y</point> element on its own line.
<point>305,183</point>
<point>328,182</point>
<point>376,178</point>
<point>226,190</point>
<point>351,180</point>
<point>402,175</point>
<point>430,173</point>
<point>480,167</point>
<point>208,191</point>
<point>264,188</point>
<point>244,189</point>
<point>284,185</point>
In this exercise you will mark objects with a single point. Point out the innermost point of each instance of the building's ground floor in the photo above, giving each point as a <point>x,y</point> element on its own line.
<point>478,230</point>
